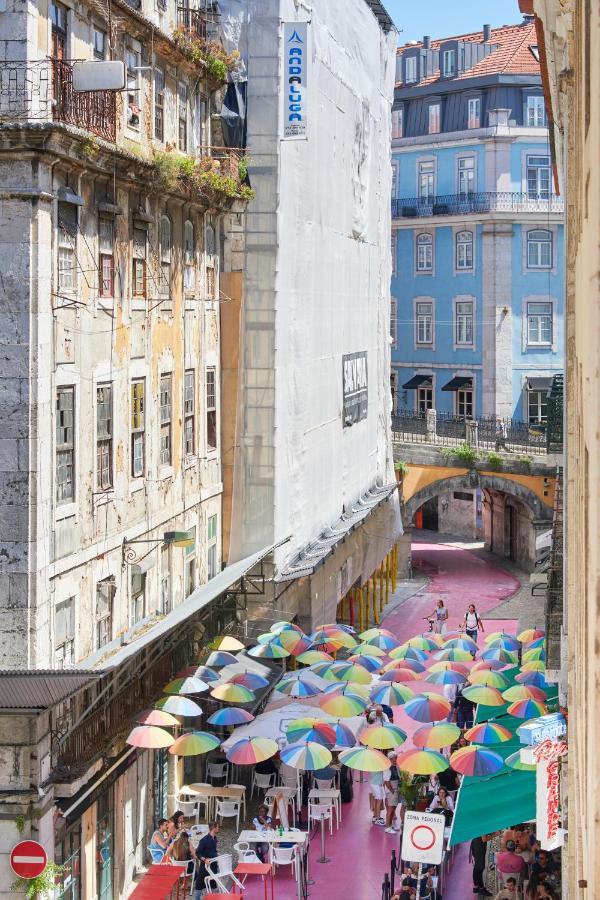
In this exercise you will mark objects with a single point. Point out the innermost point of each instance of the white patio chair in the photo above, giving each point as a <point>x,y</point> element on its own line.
<point>187,807</point>
<point>242,796</point>
<point>188,867</point>
<point>202,798</point>
<point>196,833</point>
<point>261,782</point>
<point>220,869</point>
<point>218,770</point>
<point>283,856</point>
<point>318,811</point>
<point>245,853</point>
<point>324,784</point>
<point>228,809</point>
<point>156,854</point>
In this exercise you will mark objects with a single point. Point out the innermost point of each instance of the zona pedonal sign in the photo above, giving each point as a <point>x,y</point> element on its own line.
<point>423,838</point>
<point>28,859</point>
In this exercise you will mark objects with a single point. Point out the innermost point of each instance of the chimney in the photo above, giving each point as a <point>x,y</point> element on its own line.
<point>426,42</point>
<point>487,33</point>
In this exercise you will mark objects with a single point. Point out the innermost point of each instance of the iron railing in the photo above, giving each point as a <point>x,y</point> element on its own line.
<point>555,587</point>
<point>487,432</point>
<point>555,415</point>
<point>475,203</point>
<point>193,20</point>
<point>43,90</point>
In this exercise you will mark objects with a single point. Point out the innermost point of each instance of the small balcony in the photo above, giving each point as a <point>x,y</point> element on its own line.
<point>192,20</point>
<point>475,204</point>
<point>43,91</point>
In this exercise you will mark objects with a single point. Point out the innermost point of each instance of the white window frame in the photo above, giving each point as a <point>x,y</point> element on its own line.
<point>538,244</point>
<point>66,249</point>
<point>464,323</point>
<point>395,178</point>
<point>535,111</point>
<point>534,323</point>
<point>166,586</point>
<point>394,251</point>
<point>104,625</point>
<point>133,87</point>
<point>189,413</point>
<point>474,112</point>
<point>190,566</point>
<point>466,172</point>
<point>424,253</point>
<point>449,70</point>
<point>425,397</point>
<point>541,402</point>
<point>137,598</point>
<point>65,447</point>
<point>460,398</point>
<point>158,99</point>
<point>398,123</point>
<point>212,407</point>
<point>106,439</point>
<point>410,70</point>
<point>138,427</point>
<point>464,259</point>
<point>434,118</point>
<point>424,323</point>
<point>394,323</point>
<point>212,539</point>
<point>541,174</point>
<point>64,644</point>
<point>189,256</point>
<point>166,254</point>
<point>183,116</point>
<point>99,42</point>
<point>165,409</point>
<point>426,177</point>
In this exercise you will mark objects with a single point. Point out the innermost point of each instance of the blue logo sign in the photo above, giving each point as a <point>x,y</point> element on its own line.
<point>295,72</point>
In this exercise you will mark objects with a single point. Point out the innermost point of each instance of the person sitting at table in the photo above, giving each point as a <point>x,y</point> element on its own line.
<point>181,850</point>
<point>206,849</point>
<point>411,880</point>
<point>432,786</point>
<point>509,891</point>
<point>178,820</point>
<point>444,804</point>
<point>509,862</point>
<point>262,822</point>
<point>160,836</point>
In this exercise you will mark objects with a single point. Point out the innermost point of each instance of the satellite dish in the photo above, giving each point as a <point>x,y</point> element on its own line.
<point>99,75</point>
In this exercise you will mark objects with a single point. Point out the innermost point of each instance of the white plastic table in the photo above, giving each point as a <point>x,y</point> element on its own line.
<point>272,836</point>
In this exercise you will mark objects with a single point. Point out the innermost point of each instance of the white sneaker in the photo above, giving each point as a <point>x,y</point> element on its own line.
<point>390,830</point>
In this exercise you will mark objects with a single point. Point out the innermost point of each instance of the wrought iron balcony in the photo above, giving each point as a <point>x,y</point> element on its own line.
<point>43,91</point>
<point>474,204</point>
<point>491,433</point>
<point>193,20</point>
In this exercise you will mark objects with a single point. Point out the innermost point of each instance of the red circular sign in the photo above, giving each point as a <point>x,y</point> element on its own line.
<point>28,859</point>
<point>425,840</point>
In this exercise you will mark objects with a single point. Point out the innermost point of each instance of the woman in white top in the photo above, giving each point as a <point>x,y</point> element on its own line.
<point>440,617</point>
<point>473,623</point>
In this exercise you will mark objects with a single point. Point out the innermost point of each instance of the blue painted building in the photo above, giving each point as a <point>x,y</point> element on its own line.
<point>477,241</point>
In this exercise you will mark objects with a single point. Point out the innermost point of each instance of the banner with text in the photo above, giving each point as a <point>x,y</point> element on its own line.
<point>295,80</point>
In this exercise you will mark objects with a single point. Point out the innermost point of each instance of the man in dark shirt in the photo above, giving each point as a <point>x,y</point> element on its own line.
<point>449,780</point>
<point>477,856</point>
<point>544,864</point>
<point>206,849</point>
<point>465,711</point>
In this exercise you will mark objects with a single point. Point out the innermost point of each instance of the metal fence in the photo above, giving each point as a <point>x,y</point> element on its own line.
<point>486,432</point>
<point>477,202</point>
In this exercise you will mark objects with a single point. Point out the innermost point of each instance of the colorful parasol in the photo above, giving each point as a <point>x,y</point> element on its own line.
<point>294,643</point>
<point>509,641</point>
<point>449,666</point>
<point>461,643</point>
<point>351,672</point>
<point>497,653</point>
<point>487,696</point>
<point>382,737</point>
<point>186,686</point>
<point>534,645</point>
<point>226,642</point>
<point>315,730</point>
<point>488,678</point>
<point>488,665</point>
<point>534,678</point>
<point>404,652</point>
<point>536,655</point>
<point>524,692</point>
<point>157,717</point>
<point>412,664</point>
<point>314,656</point>
<point>391,694</point>
<point>536,665</point>
<point>368,650</point>
<point>342,705</point>
<point>249,680</point>
<point>278,627</point>
<point>230,716</point>
<point>453,655</point>
<point>374,632</point>
<point>422,642</point>
<point>476,760</point>
<point>370,663</point>
<point>434,737</point>
<point>150,737</point>
<point>527,709</point>
<point>384,642</point>
<point>447,677</point>
<point>514,762</point>
<point>333,636</point>
<point>219,658</point>
<point>306,755</point>
<point>205,673</point>
<point>194,743</point>
<point>179,706</point>
<point>297,687</point>
<point>344,736</point>
<point>504,643</point>
<point>273,650</point>
<point>531,634</point>
<point>251,750</point>
<point>488,733</point>
<point>422,762</point>
<point>232,693</point>
<point>400,675</point>
<point>427,707</point>
<point>364,759</point>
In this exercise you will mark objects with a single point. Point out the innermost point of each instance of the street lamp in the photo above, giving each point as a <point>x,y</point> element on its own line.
<point>132,556</point>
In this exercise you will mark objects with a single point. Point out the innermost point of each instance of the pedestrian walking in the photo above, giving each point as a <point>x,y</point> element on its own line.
<point>477,854</point>
<point>439,616</point>
<point>465,711</point>
<point>473,623</point>
<point>391,783</point>
<point>376,797</point>
<point>501,434</point>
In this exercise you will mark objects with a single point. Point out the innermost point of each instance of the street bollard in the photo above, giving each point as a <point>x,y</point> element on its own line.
<point>392,871</point>
<point>385,888</point>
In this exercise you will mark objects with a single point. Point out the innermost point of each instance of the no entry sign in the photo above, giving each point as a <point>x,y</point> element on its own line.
<point>423,838</point>
<point>28,859</point>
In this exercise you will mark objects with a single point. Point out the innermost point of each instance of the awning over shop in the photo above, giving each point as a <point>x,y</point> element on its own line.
<point>38,689</point>
<point>539,384</point>
<point>490,803</point>
<point>459,382</point>
<point>416,381</point>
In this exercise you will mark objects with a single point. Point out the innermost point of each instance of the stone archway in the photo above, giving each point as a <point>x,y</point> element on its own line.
<point>472,480</point>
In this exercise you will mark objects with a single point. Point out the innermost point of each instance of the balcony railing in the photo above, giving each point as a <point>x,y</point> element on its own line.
<point>487,432</point>
<point>43,91</point>
<point>193,20</point>
<point>476,203</point>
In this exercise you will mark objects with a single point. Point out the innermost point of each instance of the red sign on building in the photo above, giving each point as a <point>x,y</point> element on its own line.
<point>28,859</point>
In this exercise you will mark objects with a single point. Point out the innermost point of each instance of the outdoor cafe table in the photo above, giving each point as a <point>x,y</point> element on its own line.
<point>272,836</point>
<point>159,883</point>
<point>257,869</point>
<point>212,791</point>
<point>333,794</point>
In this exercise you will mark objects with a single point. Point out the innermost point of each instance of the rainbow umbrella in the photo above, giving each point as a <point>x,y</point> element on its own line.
<point>534,665</point>
<point>508,641</point>
<point>382,737</point>
<point>333,636</point>
<point>505,643</point>
<point>453,655</point>
<point>179,706</point>
<point>278,627</point>
<point>404,652</point>
<point>194,743</point>
<point>364,759</point>
<point>205,673</point>
<point>219,658</point>
<point>186,686</point>
<point>368,650</point>
<point>342,705</point>
<point>320,668</point>
<point>447,677</point>
<point>527,709</point>
<point>488,733</point>
<point>536,655</point>
<point>449,666</point>
<point>352,672</point>
<point>531,634</point>
<point>230,716</point>
<point>534,645</point>
<point>434,737</point>
<point>488,678</point>
<point>514,762</point>
<point>370,663</point>
<point>487,696</point>
<point>461,643</point>
<point>232,693</point>
<point>306,755</point>
<point>344,736</point>
<point>427,707</point>
<point>422,642</point>
<point>497,653</point>
<point>266,637</point>
<point>534,678</point>
<point>315,730</point>
<point>384,642</point>
<point>400,675</point>
<point>150,737</point>
<point>391,694</point>
<point>524,692</point>
<point>157,717</point>
<point>349,687</point>
<point>476,760</point>
<point>487,665</point>
<point>314,656</point>
<point>412,664</point>
<point>251,750</point>
<point>297,688</point>
<point>422,762</point>
<point>249,680</point>
<point>226,642</point>
<point>272,650</point>
<point>374,632</point>
<point>294,643</point>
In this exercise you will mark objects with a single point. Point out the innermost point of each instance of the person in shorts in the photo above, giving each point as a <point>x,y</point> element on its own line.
<point>391,783</point>
<point>376,797</point>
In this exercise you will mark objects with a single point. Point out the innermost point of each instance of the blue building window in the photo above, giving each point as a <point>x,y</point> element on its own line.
<point>449,63</point>
<point>538,177</point>
<point>424,253</point>
<point>466,176</point>
<point>474,112</point>
<point>397,123</point>
<point>539,249</point>
<point>434,118</point>
<point>424,313</point>
<point>464,250</point>
<point>410,69</point>
<point>426,180</point>
<point>539,323</point>
<point>464,323</point>
<point>536,112</point>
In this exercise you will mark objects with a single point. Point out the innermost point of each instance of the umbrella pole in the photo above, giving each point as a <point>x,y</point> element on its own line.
<point>419,875</point>
<point>323,858</point>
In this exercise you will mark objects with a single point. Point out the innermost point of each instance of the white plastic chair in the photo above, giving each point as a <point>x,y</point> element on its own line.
<point>196,833</point>
<point>262,782</point>
<point>324,784</point>
<point>283,856</point>
<point>156,854</point>
<point>217,770</point>
<point>318,811</point>
<point>242,796</point>
<point>187,807</point>
<point>228,809</point>
<point>220,869</point>
<point>201,798</point>
<point>188,868</point>
<point>245,853</point>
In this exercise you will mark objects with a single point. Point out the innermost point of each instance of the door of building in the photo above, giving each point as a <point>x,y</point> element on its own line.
<point>430,514</point>
<point>104,846</point>
<point>510,532</point>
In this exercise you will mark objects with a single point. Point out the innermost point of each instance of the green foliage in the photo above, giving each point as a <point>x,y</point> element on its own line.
<point>41,887</point>
<point>408,788</point>
<point>20,823</point>
<point>209,54</point>
<point>400,467</point>
<point>525,460</point>
<point>90,149</point>
<point>210,179</point>
<point>494,461</point>
<point>464,452</point>
<point>243,168</point>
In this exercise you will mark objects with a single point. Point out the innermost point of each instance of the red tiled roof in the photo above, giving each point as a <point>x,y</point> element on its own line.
<point>511,56</point>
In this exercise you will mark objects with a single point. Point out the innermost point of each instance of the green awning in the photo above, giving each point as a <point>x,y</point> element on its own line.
<point>490,803</point>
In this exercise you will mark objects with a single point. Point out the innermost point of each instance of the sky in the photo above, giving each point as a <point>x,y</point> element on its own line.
<point>441,18</point>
